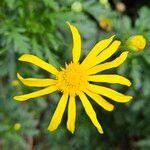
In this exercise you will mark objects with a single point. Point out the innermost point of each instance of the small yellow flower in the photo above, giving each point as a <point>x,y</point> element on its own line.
<point>14,83</point>
<point>105,23</point>
<point>78,80</point>
<point>76,6</point>
<point>136,43</point>
<point>17,126</point>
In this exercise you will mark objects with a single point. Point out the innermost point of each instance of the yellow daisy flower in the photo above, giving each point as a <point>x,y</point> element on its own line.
<point>77,79</point>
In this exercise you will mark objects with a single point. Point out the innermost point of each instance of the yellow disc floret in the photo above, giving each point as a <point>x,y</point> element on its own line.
<point>72,79</point>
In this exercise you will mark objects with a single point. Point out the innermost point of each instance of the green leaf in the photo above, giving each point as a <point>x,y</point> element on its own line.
<point>145,143</point>
<point>136,74</point>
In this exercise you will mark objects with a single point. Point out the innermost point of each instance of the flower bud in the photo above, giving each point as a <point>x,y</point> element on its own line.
<point>105,23</point>
<point>105,3</point>
<point>136,43</point>
<point>76,6</point>
<point>121,7</point>
<point>17,126</point>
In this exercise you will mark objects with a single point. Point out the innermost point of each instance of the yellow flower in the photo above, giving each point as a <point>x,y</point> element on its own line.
<point>105,23</point>
<point>136,43</point>
<point>77,80</point>
<point>17,126</point>
<point>14,83</point>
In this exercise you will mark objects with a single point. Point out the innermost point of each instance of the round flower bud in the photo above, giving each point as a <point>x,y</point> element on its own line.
<point>76,6</point>
<point>17,126</point>
<point>136,43</point>
<point>105,23</point>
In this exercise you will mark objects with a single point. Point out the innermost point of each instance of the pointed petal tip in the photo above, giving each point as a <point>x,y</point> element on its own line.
<point>112,36</point>
<point>71,130</point>
<point>125,53</point>
<point>51,129</point>
<point>21,57</point>
<point>18,98</point>
<point>100,130</point>
<point>117,42</point>
<point>15,98</point>
<point>25,56</point>
<point>129,84</point>
<point>19,76</point>
<point>130,98</point>
<point>111,108</point>
<point>68,23</point>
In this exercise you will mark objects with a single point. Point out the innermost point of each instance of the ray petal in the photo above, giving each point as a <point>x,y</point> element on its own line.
<point>38,93</point>
<point>71,114</point>
<point>110,93</point>
<point>110,79</point>
<point>90,112</point>
<point>108,51</point>
<point>57,117</point>
<point>38,62</point>
<point>35,82</point>
<point>76,50</point>
<point>101,45</point>
<point>105,54</point>
<point>100,100</point>
<point>108,65</point>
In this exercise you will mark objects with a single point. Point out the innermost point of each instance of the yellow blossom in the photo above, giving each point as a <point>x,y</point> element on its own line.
<point>136,43</point>
<point>105,23</point>
<point>14,83</point>
<point>17,126</point>
<point>77,79</point>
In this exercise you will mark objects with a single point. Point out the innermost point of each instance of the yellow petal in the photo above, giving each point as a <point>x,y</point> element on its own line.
<point>38,93</point>
<point>105,54</point>
<point>110,79</point>
<point>100,100</point>
<point>112,64</point>
<point>36,82</point>
<point>38,62</point>
<point>108,51</point>
<point>57,117</point>
<point>110,93</point>
<point>101,45</point>
<point>76,50</point>
<point>71,114</point>
<point>90,112</point>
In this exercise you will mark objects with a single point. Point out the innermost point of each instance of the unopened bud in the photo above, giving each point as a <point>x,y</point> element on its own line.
<point>136,43</point>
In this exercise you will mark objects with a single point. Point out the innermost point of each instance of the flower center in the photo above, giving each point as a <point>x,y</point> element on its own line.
<point>73,79</point>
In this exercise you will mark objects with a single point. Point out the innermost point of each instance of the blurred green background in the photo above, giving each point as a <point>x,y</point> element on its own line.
<point>39,28</point>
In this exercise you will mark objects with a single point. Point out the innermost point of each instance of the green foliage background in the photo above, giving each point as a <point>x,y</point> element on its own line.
<point>38,27</point>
